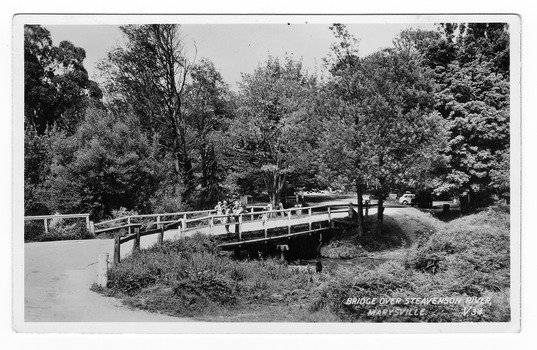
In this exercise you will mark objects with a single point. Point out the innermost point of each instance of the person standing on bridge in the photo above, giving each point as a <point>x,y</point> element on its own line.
<point>236,212</point>
<point>218,209</point>
<point>227,215</point>
<point>269,208</point>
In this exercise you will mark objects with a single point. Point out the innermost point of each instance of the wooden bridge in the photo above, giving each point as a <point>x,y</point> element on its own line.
<point>234,231</point>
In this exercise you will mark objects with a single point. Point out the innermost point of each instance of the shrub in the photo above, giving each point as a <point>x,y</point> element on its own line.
<point>205,286</point>
<point>474,249</point>
<point>133,274</point>
<point>34,231</point>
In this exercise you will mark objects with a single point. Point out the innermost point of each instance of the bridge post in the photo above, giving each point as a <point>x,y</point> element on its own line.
<point>182,228</point>
<point>102,270</point>
<point>309,218</point>
<point>265,225</point>
<point>160,236</point>
<point>136,245</point>
<point>282,248</point>
<point>329,218</point>
<point>366,207</point>
<point>117,249</point>
<point>129,223</point>
<point>46,225</point>
<point>158,220</point>
<point>289,223</point>
<point>240,227</point>
<point>211,225</point>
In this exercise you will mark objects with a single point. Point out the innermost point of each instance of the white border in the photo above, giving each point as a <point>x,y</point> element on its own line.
<point>285,328</point>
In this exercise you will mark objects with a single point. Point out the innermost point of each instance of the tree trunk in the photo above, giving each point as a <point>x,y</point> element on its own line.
<point>274,183</point>
<point>360,216</point>
<point>380,212</point>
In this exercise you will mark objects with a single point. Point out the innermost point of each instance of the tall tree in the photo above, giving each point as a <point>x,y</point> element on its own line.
<point>57,93</point>
<point>341,145</point>
<point>208,105</point>
<point>57,89</point>
<point>384,127</point>
<point>471,64</point>
<point>146,80</point>
<point>267,134</point>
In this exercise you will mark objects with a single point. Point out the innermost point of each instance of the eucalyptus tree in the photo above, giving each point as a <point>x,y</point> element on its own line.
<point>57,93</point>
<point>146,80</point>
<point>209,107</point>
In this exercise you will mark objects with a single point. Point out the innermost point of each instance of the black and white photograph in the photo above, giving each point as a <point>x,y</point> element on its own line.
<point>266,174</point>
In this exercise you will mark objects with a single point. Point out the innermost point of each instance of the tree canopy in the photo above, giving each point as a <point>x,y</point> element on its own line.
<point>162,130</point>
<point>267,141</point>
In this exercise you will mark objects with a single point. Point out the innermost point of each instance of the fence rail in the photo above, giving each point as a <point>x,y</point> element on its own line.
<point>46,218</point>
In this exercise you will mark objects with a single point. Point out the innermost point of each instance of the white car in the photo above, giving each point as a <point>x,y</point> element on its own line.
<point>407,198</point>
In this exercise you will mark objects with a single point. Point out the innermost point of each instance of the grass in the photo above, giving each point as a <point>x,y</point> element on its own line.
<point>467,257</point>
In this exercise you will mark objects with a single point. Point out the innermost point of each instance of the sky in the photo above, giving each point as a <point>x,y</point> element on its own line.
<point>239,48</point>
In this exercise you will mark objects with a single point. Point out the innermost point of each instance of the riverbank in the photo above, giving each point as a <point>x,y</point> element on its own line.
<point>191,278</point>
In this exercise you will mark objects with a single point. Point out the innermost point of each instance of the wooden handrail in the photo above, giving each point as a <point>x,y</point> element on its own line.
<point>54,216</point>
<point>154,215</point>
<point>338,208</point>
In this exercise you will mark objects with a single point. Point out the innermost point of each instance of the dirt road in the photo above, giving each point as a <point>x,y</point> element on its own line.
<point>58,277</point>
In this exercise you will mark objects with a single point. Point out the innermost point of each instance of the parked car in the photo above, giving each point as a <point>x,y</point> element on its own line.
<point>407,198</point>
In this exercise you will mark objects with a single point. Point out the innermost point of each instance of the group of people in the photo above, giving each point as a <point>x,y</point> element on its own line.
<point>229,212</point>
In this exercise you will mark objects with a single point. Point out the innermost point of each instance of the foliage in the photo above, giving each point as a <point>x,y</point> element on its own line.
<point>191,277</point>
<point>384,130</point>
<point>209,109</point>
<point>37,158</point>
<point>34,231</point>
<point>123,212</point>
<point>57,88</point>
<point>107,164</point>
<point>474,250</point>
<point>146,82</point>
<point>57,92</point>
<point>268,139</point>
<point>469,257</point>
<point>471,65</point>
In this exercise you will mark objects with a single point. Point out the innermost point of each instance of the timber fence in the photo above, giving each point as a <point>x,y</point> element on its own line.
<point>241,223</point>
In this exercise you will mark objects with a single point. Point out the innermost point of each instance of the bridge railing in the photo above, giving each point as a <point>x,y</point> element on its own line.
<point>236,221</point>
<point>147,220</point>
<point>233,220</point>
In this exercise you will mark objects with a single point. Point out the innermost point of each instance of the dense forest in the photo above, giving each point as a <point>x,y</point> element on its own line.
<point>161,132</point>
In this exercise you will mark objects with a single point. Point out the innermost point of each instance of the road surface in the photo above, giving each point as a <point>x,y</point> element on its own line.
<point>58,276</point>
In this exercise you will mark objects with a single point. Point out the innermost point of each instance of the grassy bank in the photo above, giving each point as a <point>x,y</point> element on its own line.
<point>465,258</point>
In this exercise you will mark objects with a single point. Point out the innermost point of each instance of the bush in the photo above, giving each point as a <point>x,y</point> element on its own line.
<point>205,286</point>
<point>474,249</point>
<point>33,230</point>
<point>469,257</point>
